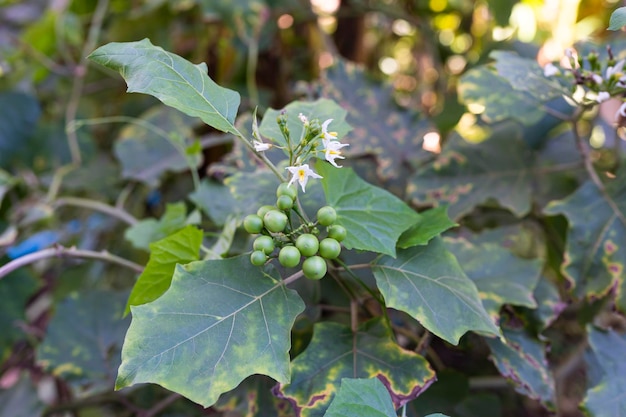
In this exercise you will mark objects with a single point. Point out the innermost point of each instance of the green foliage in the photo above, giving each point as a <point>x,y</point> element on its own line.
<point>220,322</point>
<point>618,19</point>
<point>423,278</point>
<point>361,398</point>
<point>606,399</point>
<point>354,240</point>
<point>84,340</point>
<point>368,352</point>
<point>374,217</point>
<point>173,80</point>
<point>181,247</point>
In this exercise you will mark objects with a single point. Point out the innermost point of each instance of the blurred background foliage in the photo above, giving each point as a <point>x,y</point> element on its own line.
<point>272,52</point>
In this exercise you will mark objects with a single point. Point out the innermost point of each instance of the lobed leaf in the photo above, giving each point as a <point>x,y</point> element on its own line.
<point>15,291</point>
<point>523,360</point>
<point>373,217</point>
<point>368,353</point>
<point>594,255</point>
<point>175,81</point>
<point>220,322</point>
<point>181,247</point>
<point>428,283</point>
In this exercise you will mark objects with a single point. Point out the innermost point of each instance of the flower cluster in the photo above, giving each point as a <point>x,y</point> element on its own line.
<point>600,80</point>
<point>308,146</point>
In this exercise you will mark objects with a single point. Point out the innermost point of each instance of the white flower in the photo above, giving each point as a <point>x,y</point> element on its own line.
<point>260,146</point>
<point>301,174</point>
<point>332,151</point>
<point>550,69</point>
<point>325,133</point>
<point>303,119</point>
<point>597,79</point>
<point>615,70</point>
<point>603,96</point>
<point>621,111</point>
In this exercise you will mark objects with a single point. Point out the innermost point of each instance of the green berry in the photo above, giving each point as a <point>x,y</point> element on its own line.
<point>284,189</point>
<point>253,224</point>
<point>289,256</point>
<point>307,244</point>
<point>337,232</point>
<point>326,216</point>
<point>264,209</point>
<point>264,244</point>
<point>284,203</point>
<point>314,267</point>
<point>275,221</point>
<point>258,258</point>
<point>330,248</point>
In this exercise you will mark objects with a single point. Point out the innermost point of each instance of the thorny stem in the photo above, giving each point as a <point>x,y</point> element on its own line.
<point>62,252</point>
<point>79,79</point>
<point>97,206</point>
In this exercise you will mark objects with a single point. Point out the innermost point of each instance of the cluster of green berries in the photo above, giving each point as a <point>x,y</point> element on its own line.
<point>277,232</point>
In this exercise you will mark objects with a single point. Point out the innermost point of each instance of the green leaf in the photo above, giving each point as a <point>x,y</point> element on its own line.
<point>368,353</point>
<point>500,276</point>
<point>483,88</point>
<point>219,249</point>
<point>381,128</point>
<point>525,75</point>
<point>373,217</point>
<point>84,339</point>
<point>175,81</point>
<point>146,156</point>
<point>607,398</point>
<point>428,283</point>
<point>466,174</point>
<point>321,109</point>
<point>215,200</point>
<point>251,190</point>
<point>430,223</point>
<point>15,291</point>
<point>142,234</point>
<point>523,361</point>
<point>220,322</point>
<point>361,398</point>
<point>596,239</point>
<point>618,19</point>
<point>21,400</point>
<point>181,247</point>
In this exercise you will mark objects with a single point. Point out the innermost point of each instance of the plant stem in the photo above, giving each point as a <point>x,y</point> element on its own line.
<point>253,57</point>
<point>59,251</point>
<point>584,152</point>
<point>97,206</point>
<point>79,79</point>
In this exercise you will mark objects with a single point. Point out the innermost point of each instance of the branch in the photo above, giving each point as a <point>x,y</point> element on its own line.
<point>97,206</point>
<point>79,78</point>
<point>59,251</point>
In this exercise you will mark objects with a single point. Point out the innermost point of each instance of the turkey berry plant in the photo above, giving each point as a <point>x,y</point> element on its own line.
<point>225,319</point>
